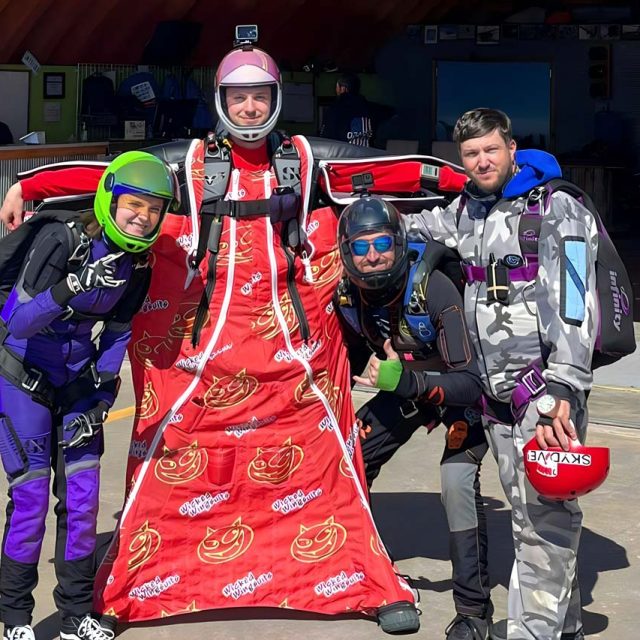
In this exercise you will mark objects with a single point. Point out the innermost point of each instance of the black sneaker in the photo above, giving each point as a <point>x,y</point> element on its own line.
<point>468,628</point>
<point>399,617</point>
<point>499,632</point>
<point>19,632</point>
<point>86,628</point>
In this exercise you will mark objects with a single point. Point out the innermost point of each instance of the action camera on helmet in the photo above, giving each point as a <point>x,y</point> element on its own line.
<point>246,33</point>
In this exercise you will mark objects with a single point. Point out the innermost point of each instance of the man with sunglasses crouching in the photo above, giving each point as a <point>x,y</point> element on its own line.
<point>397,302</point>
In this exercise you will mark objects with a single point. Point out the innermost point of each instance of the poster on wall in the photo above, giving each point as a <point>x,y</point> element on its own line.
<point>520,89</point>
<point>431,34</point>
<point>51,111</point>
<point>630,32</point>
<point>488,34</point>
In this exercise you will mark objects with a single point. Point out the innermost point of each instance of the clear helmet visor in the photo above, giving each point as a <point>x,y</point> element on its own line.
<point>137,213</point>
<point>249,112</point>
<point>142,193</point>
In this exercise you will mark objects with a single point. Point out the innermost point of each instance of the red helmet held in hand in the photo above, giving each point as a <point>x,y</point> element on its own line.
<point>565,475</point>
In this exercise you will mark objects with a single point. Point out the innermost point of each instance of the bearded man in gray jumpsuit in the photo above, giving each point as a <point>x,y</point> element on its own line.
<point>530,306</point>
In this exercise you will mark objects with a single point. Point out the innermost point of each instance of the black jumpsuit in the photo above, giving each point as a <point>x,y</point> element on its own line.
<point>440,383</point>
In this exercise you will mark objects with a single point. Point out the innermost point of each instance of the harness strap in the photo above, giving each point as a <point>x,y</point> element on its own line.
<point>528,235</point>
<point>530,385</point>
<point>286,163</point>
<point>213,245</point>
<point>26,377</point>
<point>240,208</point>
<point>473,273</point>
<point>206,219</point>
<point>35,383</point>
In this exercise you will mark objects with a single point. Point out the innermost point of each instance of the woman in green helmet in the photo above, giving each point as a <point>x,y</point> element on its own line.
<point>57,383</point>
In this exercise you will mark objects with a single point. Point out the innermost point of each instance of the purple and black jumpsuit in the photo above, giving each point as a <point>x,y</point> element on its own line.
<point>63,351</point>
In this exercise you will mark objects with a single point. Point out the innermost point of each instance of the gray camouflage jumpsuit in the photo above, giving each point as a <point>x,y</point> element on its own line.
<point>544,598</point>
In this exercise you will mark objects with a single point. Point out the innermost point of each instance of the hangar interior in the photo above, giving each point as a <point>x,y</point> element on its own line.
<point>567,71</point>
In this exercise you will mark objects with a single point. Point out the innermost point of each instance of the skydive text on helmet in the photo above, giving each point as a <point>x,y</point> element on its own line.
<point>559,457</point>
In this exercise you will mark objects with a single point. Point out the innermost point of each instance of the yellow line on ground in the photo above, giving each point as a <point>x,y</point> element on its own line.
<point>127,412</point>
<point>118,414</point>
<point>611,388</point>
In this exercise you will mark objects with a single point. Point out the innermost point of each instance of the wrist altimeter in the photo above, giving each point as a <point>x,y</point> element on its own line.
<point>548,405</point>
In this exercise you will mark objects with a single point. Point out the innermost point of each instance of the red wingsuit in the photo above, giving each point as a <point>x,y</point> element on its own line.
<point>244,469</point>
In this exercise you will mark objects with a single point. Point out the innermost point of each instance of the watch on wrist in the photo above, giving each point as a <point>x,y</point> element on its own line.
<point>547,405</point>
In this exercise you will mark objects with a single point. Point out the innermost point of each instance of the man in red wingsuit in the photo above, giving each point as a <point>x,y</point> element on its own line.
<point>244,475</point>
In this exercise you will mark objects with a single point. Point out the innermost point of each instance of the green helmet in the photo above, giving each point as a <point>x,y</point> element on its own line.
<point>134,172</point>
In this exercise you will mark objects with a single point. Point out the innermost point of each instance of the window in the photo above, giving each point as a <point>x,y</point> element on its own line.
<point>521,89</point>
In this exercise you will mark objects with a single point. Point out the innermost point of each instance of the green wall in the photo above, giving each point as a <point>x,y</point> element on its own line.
<point>65,130</point>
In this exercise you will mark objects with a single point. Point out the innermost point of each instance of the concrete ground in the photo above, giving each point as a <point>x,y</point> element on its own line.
<point>407,507</point>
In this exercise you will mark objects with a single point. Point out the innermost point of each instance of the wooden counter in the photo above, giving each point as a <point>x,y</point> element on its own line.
<point>22,151</point>
<point>21,157</point>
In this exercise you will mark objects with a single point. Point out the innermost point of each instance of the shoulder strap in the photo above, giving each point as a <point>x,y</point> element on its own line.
<point>347,302</point>
<point>217,171</point>
<point>536,204</point>
<point>78,243</point>
<point>415,310</point>
<point>436,255</point>
<point>286,163</point>
<point>414,295</point>
<point>461,204</point>
<point>558,184</point>
<point>217,168</point>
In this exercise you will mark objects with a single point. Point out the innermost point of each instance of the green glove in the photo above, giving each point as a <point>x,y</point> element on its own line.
<point>389,376</point>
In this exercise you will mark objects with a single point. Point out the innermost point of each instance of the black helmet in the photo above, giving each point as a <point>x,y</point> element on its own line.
<point>370,215</point>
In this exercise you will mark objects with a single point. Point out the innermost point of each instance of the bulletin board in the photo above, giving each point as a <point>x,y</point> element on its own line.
<point>14,106</point>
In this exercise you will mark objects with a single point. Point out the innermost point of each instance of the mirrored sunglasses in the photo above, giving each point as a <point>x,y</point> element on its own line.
<point>380,244</point>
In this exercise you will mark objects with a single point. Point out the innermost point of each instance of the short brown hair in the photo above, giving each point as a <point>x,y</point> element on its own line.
<point>480,122</point>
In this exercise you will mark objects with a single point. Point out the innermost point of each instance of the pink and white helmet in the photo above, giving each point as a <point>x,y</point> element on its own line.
<point>248,67</point>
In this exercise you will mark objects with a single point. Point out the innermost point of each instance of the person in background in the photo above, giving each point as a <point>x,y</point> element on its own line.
<point>349,118</point>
